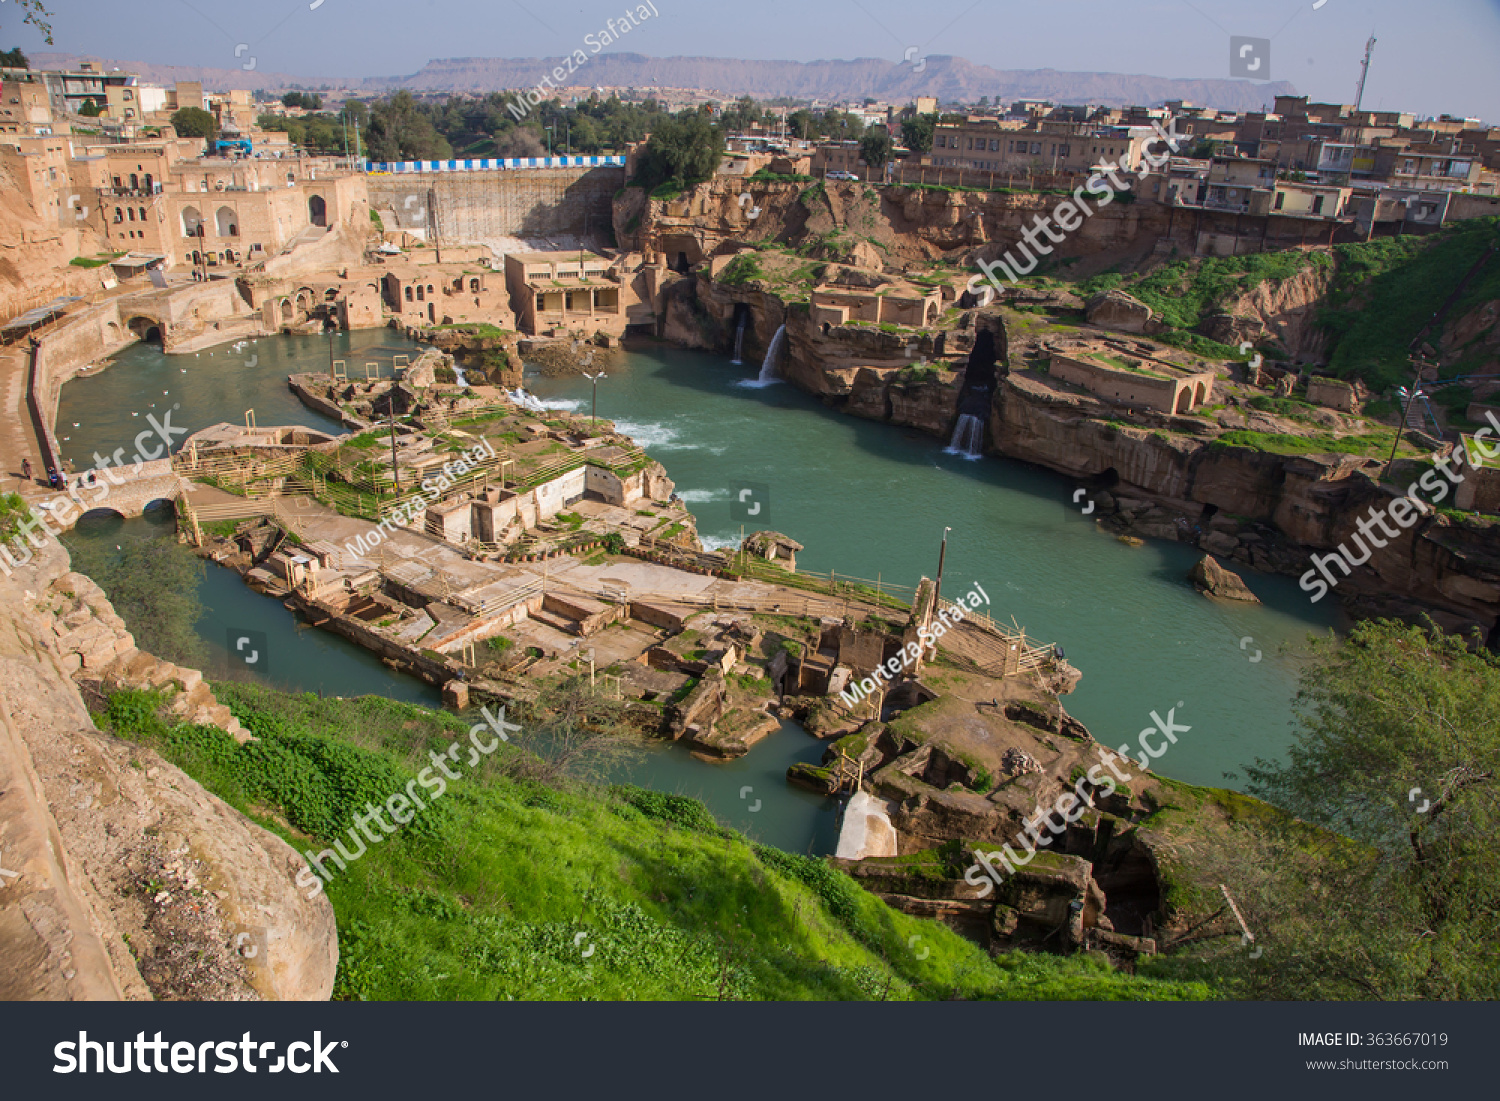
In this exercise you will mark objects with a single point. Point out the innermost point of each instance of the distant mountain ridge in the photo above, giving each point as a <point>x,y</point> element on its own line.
<point>949,78</point>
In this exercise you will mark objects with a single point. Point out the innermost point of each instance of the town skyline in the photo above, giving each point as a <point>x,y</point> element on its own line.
<point>1315,50</point>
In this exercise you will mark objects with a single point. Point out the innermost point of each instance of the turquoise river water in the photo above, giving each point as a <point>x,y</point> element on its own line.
<point>864,499</point>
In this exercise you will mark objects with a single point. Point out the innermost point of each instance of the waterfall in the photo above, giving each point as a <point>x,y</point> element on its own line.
<point>768,367</point>
<point>739,342</point>
<point>459,376</point>
<point>968,436</point>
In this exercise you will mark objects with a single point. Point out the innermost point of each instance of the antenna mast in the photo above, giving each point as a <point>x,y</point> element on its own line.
<point>1364,71</point>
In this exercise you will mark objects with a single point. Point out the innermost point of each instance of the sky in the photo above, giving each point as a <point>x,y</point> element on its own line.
<point>1431,58</point>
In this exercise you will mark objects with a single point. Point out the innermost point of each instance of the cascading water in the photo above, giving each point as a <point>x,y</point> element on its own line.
<point>968,436</point>
<point>459,376</point>
<point>739,342</point>
<point>768,367</point>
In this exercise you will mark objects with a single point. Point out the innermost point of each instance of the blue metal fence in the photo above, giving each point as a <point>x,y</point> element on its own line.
<point>395,167</point>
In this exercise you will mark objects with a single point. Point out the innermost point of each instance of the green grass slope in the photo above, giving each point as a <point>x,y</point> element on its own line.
<point>507,888</point>
<point>1380,296</point>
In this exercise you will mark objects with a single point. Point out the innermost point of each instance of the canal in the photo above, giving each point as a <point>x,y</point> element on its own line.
<point>865,499</point>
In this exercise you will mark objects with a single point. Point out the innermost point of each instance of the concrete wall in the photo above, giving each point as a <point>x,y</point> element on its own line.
<point>491,207</point>
<point>551,497</point>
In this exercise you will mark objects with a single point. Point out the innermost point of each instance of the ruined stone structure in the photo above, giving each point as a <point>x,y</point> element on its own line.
<point>1148,383</point>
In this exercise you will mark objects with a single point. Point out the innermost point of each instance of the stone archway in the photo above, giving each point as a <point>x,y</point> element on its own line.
<point>147,329</point>
<point>286,309</point>
<point>317,210</point>
<point>192,221</point>
<point>1184,399</point>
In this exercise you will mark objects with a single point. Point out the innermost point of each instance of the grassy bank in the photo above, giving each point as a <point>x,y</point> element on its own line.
<point>500,888</point>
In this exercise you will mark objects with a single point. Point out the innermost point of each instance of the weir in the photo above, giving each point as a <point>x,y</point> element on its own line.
<point>968,436</point>
<point>739,342</point>
<point>768,365</point>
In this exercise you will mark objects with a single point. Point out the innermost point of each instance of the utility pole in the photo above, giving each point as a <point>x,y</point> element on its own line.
<point>937,590</point>
<point>1364,71</point>
<point>391,412</point>
<point>1416,392</point>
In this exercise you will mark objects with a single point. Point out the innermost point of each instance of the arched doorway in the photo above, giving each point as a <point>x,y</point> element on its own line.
<point>1184,399</point>
<point>146,328</point>
<point>225,223</point>
<point>191,221</point>
<point>286,309</point>
<point>317,211</point>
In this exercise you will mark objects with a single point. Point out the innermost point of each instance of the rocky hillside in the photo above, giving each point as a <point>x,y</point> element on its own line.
<point>1216,481</point>
<point>35,253</point>
<point>123,877</point>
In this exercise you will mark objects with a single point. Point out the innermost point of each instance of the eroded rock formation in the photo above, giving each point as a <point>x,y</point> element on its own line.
<point>131,880</point>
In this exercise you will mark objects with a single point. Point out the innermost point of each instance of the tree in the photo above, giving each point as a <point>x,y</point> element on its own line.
<point>843,126</point>
<point>875,148</point>
<point>39,17</point>
<point>309,101</point>
<point>194,122</point>
<point>1387,884</point>
<point>519,141</point>
<point>916,133</point>
<point>14,59</point>
<point>686,148</point>
<point>402,130</point>
<point>90,109</point>
<point>573,730</point>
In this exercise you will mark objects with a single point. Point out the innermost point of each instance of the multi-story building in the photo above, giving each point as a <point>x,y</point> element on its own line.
<point>25,106</point>
<point>38,167</point>
<point>997,145</point>
<point>564,290</point>
<point>1232,181</point>
<point>1442,165</point>
<point>837,156</point>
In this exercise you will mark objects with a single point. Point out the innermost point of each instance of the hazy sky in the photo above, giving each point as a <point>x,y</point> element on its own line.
<point>1431,58</point>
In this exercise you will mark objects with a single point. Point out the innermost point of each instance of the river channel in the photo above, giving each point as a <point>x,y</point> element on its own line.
<point>864,498</point>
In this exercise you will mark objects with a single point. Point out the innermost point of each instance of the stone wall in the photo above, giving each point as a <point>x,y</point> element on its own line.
<point>494,207</point>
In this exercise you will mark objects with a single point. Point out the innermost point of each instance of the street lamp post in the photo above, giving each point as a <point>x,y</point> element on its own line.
<point>594,415</point>
<point>549,141</point>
